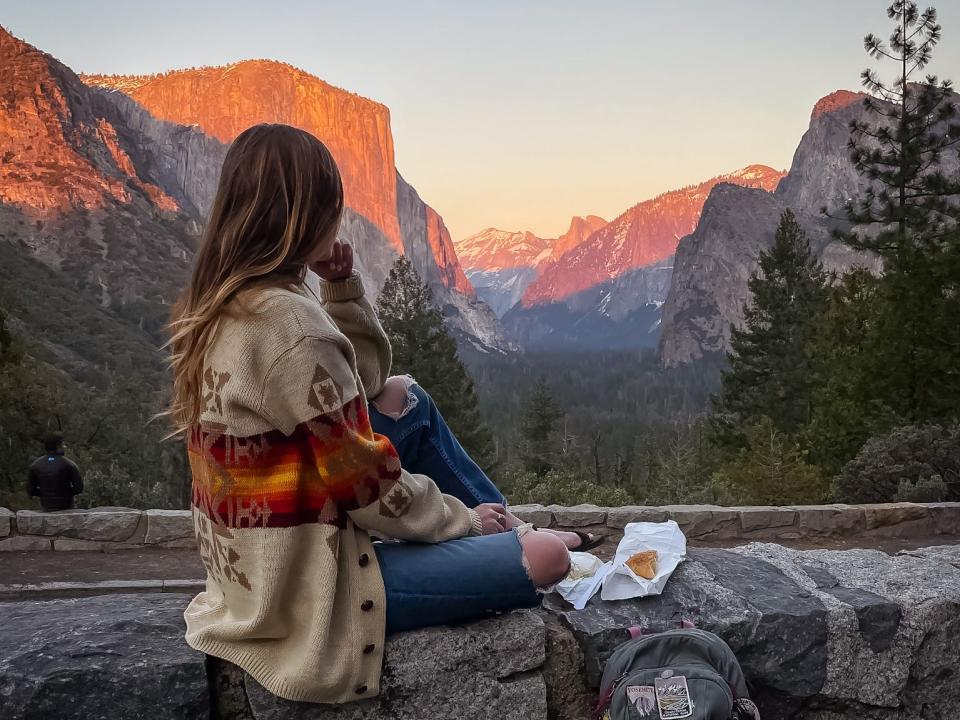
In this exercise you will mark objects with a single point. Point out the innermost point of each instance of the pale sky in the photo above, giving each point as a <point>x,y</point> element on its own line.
<point>519,117</point>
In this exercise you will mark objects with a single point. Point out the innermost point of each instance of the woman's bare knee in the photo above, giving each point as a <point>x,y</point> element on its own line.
<point>392,398</point>
<point>547,558</point>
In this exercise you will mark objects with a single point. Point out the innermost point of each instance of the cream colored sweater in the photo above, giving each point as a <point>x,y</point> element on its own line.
<point>288,477</point>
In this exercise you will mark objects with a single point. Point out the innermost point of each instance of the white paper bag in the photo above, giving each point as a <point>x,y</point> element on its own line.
<point>582,581</point>
<point>620,582</point>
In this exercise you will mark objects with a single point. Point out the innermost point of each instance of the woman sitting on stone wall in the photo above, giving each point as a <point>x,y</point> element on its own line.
<point>293,470</point>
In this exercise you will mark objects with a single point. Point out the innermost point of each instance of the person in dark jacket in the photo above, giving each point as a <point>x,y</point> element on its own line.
<point>54,478</point>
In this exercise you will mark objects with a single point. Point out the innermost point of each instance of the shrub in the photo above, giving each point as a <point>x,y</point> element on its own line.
<point>915,454</point>
<point>560,487</point>
<point>932,489</point>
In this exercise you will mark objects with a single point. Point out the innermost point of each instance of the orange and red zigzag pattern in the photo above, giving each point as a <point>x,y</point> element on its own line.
<point>327,466</point>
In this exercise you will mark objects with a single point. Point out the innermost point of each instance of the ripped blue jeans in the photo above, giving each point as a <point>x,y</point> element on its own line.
<point>427,446</point>
<point>457,580</point>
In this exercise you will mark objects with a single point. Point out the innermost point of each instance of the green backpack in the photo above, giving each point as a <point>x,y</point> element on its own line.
<point>677,674</point>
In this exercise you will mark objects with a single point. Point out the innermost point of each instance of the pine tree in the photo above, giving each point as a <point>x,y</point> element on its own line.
<point>539,421</point>
<point>909,216</point>
<point>769,375</point>
<point>901,153</point>
<point>846,411</point>
<point>423,348</point>
<point>771,469</point>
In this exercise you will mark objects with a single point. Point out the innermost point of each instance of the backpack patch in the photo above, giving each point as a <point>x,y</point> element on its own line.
<point>644,699</point>
<point>673,697</point>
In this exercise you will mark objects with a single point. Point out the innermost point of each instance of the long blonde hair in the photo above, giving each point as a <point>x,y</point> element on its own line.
<point>278,205</point>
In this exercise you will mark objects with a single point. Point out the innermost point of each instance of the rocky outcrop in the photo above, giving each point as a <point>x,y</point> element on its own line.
<point>97,183</point>
<point>714,262</point>
<point>58,154</point>
<point>385,217</point>
<point>606,292</point>
<point>645,234</point>
<point>501,264</point>
<point>84,193</point>
<point>427,243</point>
<point>181,159</point>
<point>708,289</point>
<point>225,101</point>
<point>821,635</point>
<point>580,229</point>
<point>100,658</point>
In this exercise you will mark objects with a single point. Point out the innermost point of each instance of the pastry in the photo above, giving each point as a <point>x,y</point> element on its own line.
<point>644,563</point>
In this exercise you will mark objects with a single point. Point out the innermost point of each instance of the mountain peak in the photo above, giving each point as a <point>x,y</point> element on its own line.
<point>225,100</point>
<point>249,70</point>
<point>495,249</point>
<point>62,151</point>
<point>581,227</point>
<point>837,100</point>
<point>646,233</point>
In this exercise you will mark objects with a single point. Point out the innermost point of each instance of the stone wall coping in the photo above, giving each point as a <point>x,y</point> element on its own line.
<point>106,529</point>
<point>761,522</point>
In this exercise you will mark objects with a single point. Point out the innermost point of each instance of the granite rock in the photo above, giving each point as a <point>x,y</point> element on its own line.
<point>890,620</point>
<point>100,658</point>
<point>167,525</point>
<point>568,696</point>
<point>25,543</point>
<point>488,669</point>
<point>8,521</point>
<point>536,514</point>
<point>764,518</point>
<point>578,515</point>
<point>829,519</point>
<point>840,634</point>
<point>881,515</point>
<point>949,554</point>
<point>946,517</point>
<point>620,517</point>
<point>107,524</point>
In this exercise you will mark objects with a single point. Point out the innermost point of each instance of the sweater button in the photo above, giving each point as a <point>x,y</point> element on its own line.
<point>366,605</point>
<point>369,649</point>
<point>361,690</point>
<point>364,560</point>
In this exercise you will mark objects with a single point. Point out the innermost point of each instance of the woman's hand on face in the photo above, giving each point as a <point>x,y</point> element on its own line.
<point>338,266</point>
<point>493,516</point>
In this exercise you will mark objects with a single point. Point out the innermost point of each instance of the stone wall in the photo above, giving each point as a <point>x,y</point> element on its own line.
<point>821,635</point>
<point>712,522</point>
<point>103,529</point>
<point>113,528</point>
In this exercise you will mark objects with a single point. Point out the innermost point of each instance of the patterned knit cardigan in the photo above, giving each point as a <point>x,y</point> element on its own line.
<point>288,477</point>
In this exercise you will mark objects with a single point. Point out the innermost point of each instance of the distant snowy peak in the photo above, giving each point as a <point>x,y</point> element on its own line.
<point>492,250</point>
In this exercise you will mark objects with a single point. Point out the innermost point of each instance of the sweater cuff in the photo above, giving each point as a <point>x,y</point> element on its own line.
<point>350,288</point>
<point>476,524</point>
